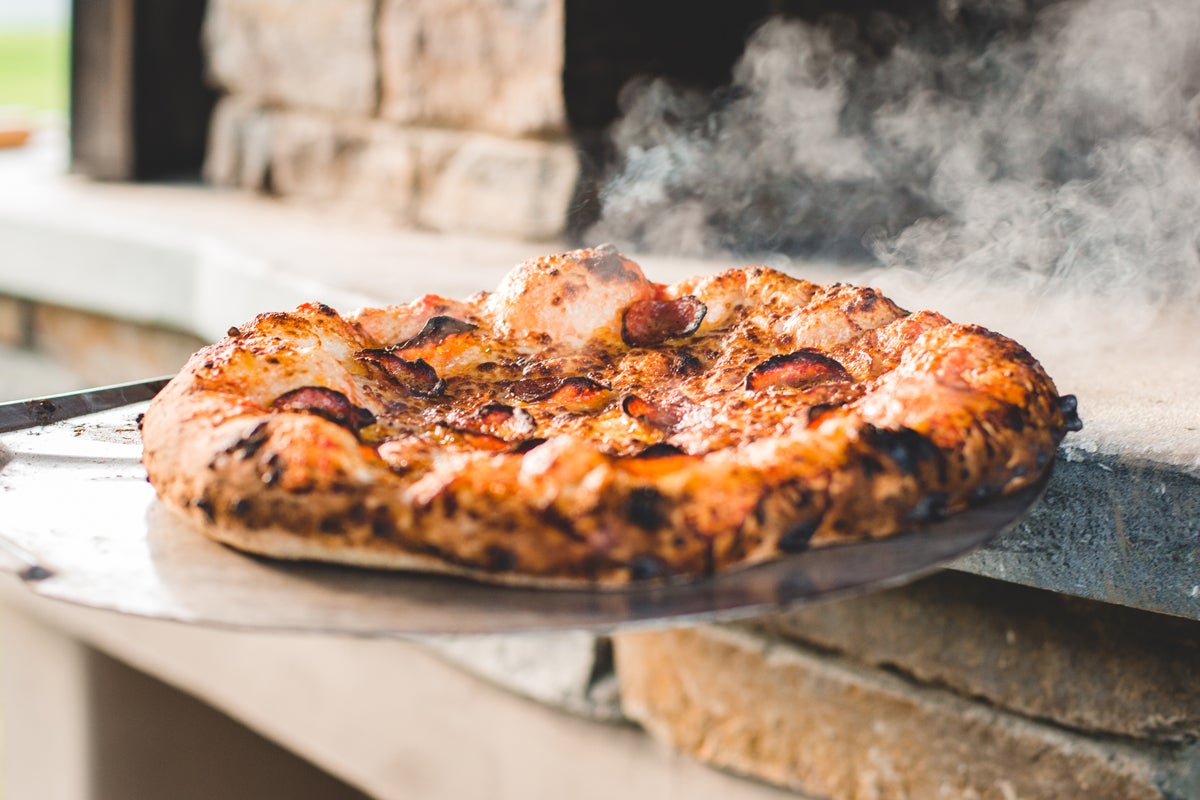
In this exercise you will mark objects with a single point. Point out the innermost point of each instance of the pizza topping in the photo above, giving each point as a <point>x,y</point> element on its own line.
<point>435,331</point>
<point>661,416</point>
<point>1069,406</point>
<point>418,377</point>
<point>660,450</point>
<point>650,322</point>
<point>329,404</point>
<point>497,420</point>
<point>530,390</point>
<point>799,370</point>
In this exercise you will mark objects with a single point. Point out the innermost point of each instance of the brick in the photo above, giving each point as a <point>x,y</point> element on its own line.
<point>489,65</point>
<point>316,54</point>
<point>1080,663</point>
<point>103,350</point>
<point>770,710</point>
<point>361,167</point>
<point>493,186</point>
<point>239,144</point>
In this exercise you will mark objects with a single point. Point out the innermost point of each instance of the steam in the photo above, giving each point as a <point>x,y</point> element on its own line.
<point>1060,150</point>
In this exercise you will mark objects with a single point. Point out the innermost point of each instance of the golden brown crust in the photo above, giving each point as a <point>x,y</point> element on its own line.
<point>583,425</point>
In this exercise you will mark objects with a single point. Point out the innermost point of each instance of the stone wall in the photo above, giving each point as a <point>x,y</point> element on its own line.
<point>953,687</point>
<point>445,115</point>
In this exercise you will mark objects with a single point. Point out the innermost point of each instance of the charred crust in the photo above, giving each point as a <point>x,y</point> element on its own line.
<point>798,537</point>
<point>497,558</point>
<point>930,507</point>
<point>1068,404</point>
<point>233,332</point>
<point>555,519</point>
<point>246,446</point>
<point>647,508</point>
<point>605,262</point>
<point>906,448</point>
<point>685,364</point>
<point>324,310</point>
<point>523,447</point>
<point>659,450</point>
<point>205,506</point>
<point>648,568</point>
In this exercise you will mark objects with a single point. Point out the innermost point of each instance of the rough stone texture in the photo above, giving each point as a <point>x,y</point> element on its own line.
<point>316,54</point>
<point>772,711</point>
<point>448,181</point>
<point>501,187</point>
<point>1121,529</point>
<point>100,350</point>
<point>1080,663</point>
<point>13,321</point>
<point>493,65</point>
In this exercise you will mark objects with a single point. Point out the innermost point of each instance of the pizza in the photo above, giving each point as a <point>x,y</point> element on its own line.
<point>585,426</point>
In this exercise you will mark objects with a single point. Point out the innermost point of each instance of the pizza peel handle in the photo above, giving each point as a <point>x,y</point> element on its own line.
<point>40,411</point>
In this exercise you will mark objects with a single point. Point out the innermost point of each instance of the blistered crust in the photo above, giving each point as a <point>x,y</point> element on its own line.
<point>628,431</point>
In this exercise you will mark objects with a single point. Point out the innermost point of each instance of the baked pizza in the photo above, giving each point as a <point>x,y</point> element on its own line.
<point>585,426</point>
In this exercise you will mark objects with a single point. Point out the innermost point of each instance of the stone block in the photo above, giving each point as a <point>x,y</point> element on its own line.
<point>770,710</point>
<point>365,168</point>
<point>492,186</point>
<point>491,65</point>
<point>1079,663</point>
<point>101,350</point>
<point>317,54</point>
<point>239,144</point>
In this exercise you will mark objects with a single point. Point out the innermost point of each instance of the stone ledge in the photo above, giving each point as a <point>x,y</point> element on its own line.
<point>1078,663</point>
<point>1117,529</point>
<point>775,712</point>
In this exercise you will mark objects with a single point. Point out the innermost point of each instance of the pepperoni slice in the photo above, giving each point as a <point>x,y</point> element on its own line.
<point>651,322</point>
<point>799,370</point>
<point>497,421</point>
<point>663,417</point>
<point>418,377</point>
<point>573,394</point>
<point>435,331</point>
<point>329,404</point>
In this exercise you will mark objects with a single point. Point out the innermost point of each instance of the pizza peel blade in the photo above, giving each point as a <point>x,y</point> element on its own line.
<point>79,523</point>
<point>41,411</point>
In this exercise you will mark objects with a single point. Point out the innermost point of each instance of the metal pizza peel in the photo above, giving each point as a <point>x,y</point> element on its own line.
<point>79,523</point>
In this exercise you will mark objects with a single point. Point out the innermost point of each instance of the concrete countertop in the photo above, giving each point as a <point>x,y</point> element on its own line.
<point>1121,520</point>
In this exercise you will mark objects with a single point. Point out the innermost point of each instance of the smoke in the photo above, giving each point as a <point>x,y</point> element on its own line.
<point>1035,147</point>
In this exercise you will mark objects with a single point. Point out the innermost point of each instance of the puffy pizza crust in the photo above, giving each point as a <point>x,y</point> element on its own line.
<point>585,426</point>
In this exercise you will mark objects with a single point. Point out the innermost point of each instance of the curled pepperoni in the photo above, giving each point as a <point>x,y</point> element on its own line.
<point>327,403</point>
<point>799,370</point>
<point>435,331</point>
<point>574,394</point>
<point>418,377</point>
<point>651,322</point>
<point>496,420</point>
<point>659,416</point>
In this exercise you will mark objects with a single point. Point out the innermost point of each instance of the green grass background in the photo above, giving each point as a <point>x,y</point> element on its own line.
<point>33,69</point>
